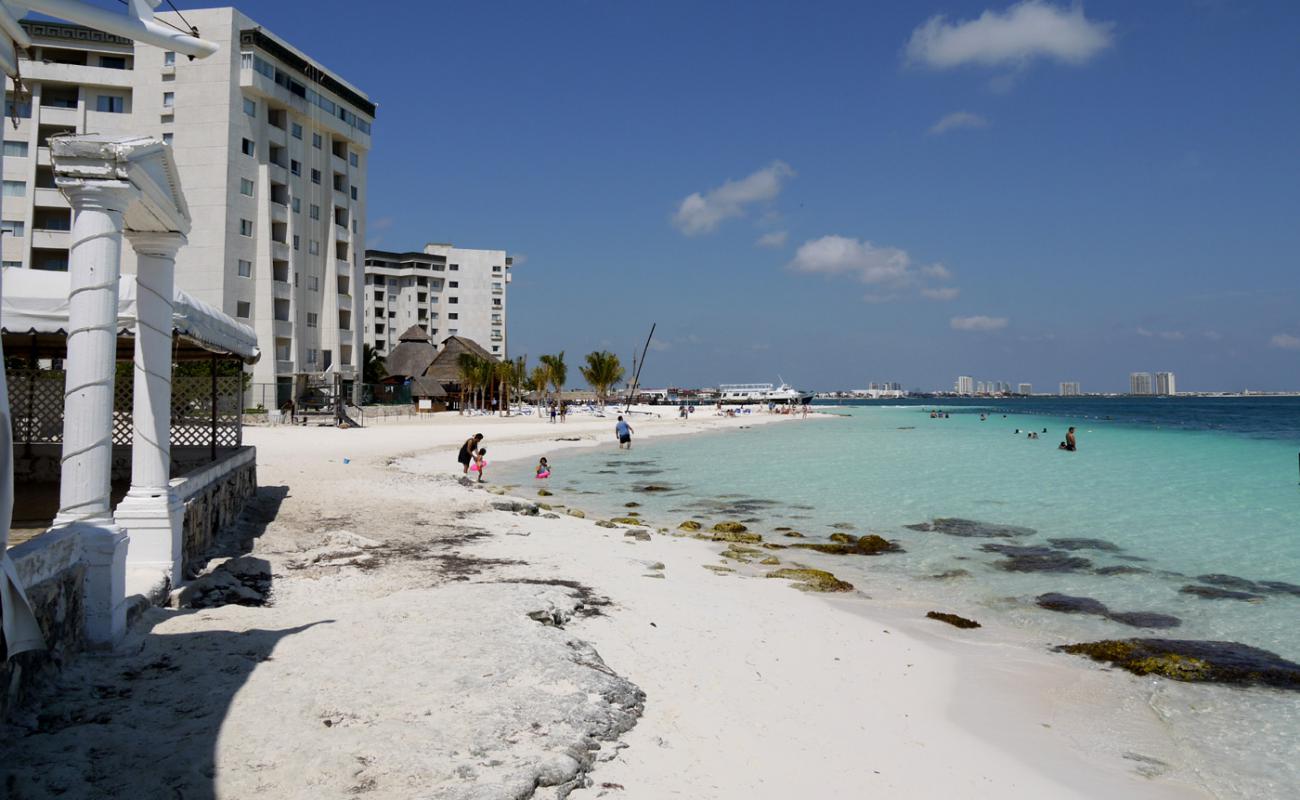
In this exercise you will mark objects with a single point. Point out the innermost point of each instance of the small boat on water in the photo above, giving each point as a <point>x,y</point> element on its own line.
<point>762,393</point>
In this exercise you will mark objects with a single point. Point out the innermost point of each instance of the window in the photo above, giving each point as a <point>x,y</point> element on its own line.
<point>454,267</point>
<point>354,192</point>
<point>311,319</point>
<point>379,296</point>
<point>250,107</point>
<point>246,187</point>
<point>352,159</point>
<point>111,104</point>
<point>295,167</point>
<point>168,137</point>
<point>311,355</point>
<point>243,309</point>
<point>297,205</point>
<point>296,130</point>
<point>169,59</point>
<point>315,176</point>
<point>169,99</point>
<point>496,348</point>
<point>314,211</point>
<point>249,148</point>
<point>297,242</point>
<point>245,268</point>
<point>453,285</point>
<point>14,264</point>
<point>13,227</point>
<point>313,283</point>
<point>112,62</point>
<point>15,150</point>
<point>453,315</point>
<point>14,189</point>
<point>354,226</point>
<point>245,227</point>
<point>453,300</point>
<point>315,140</point>
<point>313,247</point>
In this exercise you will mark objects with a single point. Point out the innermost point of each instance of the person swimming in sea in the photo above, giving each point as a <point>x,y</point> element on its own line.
<point>543,469</point>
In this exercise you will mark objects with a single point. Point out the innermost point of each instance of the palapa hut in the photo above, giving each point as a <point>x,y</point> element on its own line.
<point>412,355</point>
<point>432,373</point>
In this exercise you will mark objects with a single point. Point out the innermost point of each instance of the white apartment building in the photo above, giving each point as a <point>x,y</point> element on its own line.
<point>1166,383</point>
<point>272,149</point>
<point>965,385</point>
<point>445,290</point>
<point>1025,389</point>
<point>1070,389</point>
<point>1140,383</point>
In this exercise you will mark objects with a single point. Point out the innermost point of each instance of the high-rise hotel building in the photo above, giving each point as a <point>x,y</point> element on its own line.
<point>1140,383</point>
<point>1166,383</point>
<point>444,290</point>
<point>272,151</point>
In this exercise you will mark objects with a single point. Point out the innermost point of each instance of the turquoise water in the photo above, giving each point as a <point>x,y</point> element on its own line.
<point>1169,505</point>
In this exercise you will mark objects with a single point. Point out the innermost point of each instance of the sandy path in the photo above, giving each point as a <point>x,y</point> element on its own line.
<point>420,643</point>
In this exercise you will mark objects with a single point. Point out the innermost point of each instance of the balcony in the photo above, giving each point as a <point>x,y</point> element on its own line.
<point>43,157</point>
<point>107,122</point>
<point>57,115</point>
<point>281,290</point>
<point>345,302</point>
<point>279,212</point>
<point>77,73</point>
<point>284,367</point>
<point>344,267</point>
<point>50,198</point>
<point>282,328</point>
<point>52,240</point>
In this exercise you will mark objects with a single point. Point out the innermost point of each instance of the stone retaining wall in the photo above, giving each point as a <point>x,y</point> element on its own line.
<point>214,499</point>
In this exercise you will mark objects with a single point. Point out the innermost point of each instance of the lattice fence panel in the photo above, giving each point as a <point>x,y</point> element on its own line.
<point>192,411</point>
<point>36,408</point>
<point>36,404</point>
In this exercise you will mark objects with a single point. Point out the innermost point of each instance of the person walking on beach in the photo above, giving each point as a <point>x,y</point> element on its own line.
<point>553,412</point>
<point>624,433</point>
<point>466,454</point>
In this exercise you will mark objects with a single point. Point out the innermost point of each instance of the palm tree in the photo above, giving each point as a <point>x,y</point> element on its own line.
<point>470,375</point>
<point>556,371</point>
<point>519,374</point>
<point>603,370</point>
<point>537,382</point>
<point>373,369</point>
<point>503,371</point>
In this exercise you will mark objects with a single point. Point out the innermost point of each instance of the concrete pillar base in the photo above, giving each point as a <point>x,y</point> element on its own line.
<point>152,519</point>
<point>104,553</point>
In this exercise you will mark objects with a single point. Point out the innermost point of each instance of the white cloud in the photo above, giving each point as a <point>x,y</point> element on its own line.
<point>518,259</point>
<point>703,213</point>
<point>1168,336</point>
<point>775,239</point>
<point>936,271</point>
<point>659,345</point>
<point>1285,341</point>
<point>978,323</point>
<point>872,297</point>
<point>958,120</point>
<point>1028,30</point>
<point>840,255</point>
<point>941,293</point>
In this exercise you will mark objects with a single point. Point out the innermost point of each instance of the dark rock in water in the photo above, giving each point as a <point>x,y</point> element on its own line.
<point>869,545</point>
<point>730,527</point>
<point>1085,544</point>
<point>1120,569</point>
<point>1186,660</point>
<point>1228,582</point>
<point>842,537</point>
<point>812,580</point>
<point>1067,604</point>
<point>653,487</point>
<point>1036,559</point>
<point>952,619</point>
<point>1280,587</point>
<point>632,505</point>
<point>920,526</point>
<point>792,534</point>
<point>1132,558</point>
<point>955,526</point>
<point>781,528</point>
<point>1144,619</point>
<point>952,573</point>
<point>1215,593</point>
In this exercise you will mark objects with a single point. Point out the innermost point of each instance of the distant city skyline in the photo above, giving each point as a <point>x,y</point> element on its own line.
<point>912,190</point>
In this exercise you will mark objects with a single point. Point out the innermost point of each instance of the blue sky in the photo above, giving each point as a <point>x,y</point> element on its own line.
<point>1024,192</point>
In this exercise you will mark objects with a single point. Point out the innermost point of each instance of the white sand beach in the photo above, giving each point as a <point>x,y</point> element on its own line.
<point>425,638</point>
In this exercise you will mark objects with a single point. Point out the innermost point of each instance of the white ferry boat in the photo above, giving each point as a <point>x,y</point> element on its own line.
<point>747,393</point>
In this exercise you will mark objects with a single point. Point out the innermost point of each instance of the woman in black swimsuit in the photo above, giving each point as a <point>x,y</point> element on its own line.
<point>466,454</point>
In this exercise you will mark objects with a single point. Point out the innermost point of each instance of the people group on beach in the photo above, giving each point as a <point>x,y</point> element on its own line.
<point>472,457</point>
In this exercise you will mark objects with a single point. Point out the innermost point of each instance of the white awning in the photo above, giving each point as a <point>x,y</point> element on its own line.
<point>36,301</point>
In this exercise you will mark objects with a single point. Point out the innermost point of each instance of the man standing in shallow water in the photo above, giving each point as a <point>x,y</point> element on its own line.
<point>1069,443</point>
<point>624,433</point>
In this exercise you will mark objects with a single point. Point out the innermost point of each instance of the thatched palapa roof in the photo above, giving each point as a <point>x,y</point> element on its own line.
<point>445,367</point>
<point>413,354</point>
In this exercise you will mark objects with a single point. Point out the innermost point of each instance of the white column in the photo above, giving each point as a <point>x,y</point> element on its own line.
<point>150,512</point>
<point>94,264</point>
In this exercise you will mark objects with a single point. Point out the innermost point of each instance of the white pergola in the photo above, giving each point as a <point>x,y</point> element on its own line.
<point>115,188</point>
